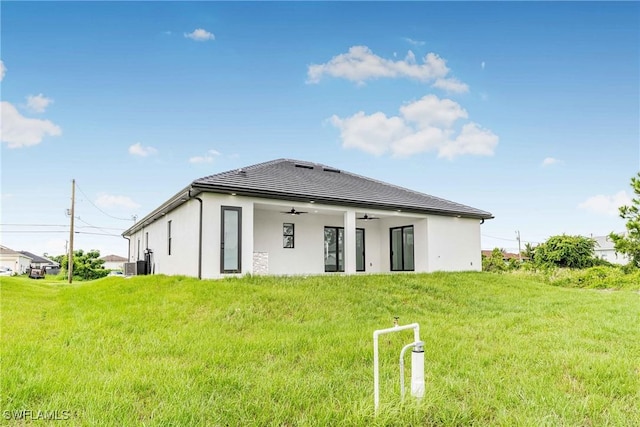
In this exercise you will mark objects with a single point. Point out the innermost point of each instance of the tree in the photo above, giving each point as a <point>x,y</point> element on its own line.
<point>629,243</point>
<point>495,261</point>
<point>566,251</point>
<point>86,265</point>
<point>529,251</point>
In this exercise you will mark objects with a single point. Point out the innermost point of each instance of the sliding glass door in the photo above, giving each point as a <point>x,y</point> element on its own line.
<point>402,248</point>
<point>334,249</point>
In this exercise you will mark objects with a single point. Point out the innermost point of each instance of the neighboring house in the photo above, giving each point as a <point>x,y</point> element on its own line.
<point>113,262</point>
<point>39,261</point>
<point>605,250</point>
<point>287,217</point>
<point>14,260</point>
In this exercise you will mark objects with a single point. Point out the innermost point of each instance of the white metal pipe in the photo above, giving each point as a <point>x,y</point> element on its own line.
<point>376,372</point>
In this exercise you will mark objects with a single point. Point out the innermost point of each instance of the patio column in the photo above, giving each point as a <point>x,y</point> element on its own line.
<point>350,242</point>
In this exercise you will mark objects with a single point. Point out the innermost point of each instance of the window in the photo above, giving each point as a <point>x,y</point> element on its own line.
<point>288,235</point>
<point>333,249</point>
<point>360,258</point>
<point>231,240</point>
<point>401,240</point>
<point>168,237</point>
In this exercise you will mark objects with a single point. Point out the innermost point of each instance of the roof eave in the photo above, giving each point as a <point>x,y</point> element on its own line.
<point>212,188</point>
<point>178,199</point>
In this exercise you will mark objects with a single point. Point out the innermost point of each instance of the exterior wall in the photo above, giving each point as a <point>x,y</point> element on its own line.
<point>420,246</point>
<point>440,243</point>
<point>113,265</point>
<point>184,242</point>
<point>611,256</point>
<point>212,229</point>
<point>16,262</point>
<point>307,255</point>
<point>454,244</point>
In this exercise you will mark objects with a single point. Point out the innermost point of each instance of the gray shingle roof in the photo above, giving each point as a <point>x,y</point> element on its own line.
<point>37,259</point>
<point>303,181</point>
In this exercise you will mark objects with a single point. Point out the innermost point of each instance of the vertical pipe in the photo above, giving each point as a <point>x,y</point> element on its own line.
<point>199,239</point>
<point>71,232</point>
<point>376,381</point>
<point>417,372</point>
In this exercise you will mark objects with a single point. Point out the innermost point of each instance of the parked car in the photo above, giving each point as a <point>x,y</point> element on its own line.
<point>6,271</point>
<point>36,273</point>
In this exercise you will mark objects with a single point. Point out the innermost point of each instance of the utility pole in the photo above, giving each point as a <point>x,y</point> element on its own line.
<point>73,205</point>
<point>519,248</point>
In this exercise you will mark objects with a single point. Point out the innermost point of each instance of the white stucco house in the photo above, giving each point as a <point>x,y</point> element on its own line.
<point>14,260</point>
<point>604,249</point>
<point>288,217</point>
<point>113,262</point>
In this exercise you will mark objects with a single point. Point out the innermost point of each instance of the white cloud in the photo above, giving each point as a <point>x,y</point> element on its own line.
<point>3,70</point>
<point>360,64</point>
<point>200,35</point>
<point>482,65</point>
<point>372,134</point>
<point>451,85</point>
<point>548,161</point>
<point>431,110</point>
<point>19,131</point>
<point>38,103</point>
<point>422,126</point>
<point>473,139</point>
<point>414,42</point>
<point>606,205</point>
<point>207,158</point>
<point>138,149</point>
<point>111,201</point>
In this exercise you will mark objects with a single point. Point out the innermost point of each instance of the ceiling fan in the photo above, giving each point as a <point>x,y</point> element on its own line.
<point>367,217</point>
<point>293,211</point>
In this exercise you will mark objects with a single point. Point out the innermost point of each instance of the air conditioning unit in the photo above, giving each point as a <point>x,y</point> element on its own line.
<point>130,268</point>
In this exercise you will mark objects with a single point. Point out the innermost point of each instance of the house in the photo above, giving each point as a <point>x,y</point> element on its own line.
<point>14,260</point>
<point>286,217</point>
<point>113,262</point>
<point>605,250</point>
<point>39,261</point>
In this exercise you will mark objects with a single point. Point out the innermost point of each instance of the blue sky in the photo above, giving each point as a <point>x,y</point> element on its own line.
<point>527,110</point>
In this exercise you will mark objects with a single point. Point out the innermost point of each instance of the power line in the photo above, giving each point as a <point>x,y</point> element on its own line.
<point>500,238</point>
<point>90,225</point>
<point>98,234</point>
<point>94,205</point>
<point>61,225</point>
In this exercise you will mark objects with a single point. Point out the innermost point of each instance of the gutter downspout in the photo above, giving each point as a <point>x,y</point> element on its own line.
<point>128,248</point>
<point>199,239</point>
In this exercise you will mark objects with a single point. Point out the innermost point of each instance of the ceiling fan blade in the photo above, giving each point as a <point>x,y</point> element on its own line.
<point>293,211</point>
<point>367,217</point>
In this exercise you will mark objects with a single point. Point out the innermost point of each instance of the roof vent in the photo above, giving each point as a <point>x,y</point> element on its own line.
<point>241,171</point>
<point>331,170</point>
<point>298,165</point>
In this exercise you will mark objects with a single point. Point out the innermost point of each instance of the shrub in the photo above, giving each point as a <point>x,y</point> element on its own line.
<point>598,278</point>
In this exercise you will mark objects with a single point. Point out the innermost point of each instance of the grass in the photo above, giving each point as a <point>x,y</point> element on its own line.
<point>156,350</point>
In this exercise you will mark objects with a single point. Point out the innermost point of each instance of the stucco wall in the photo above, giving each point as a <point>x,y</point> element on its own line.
<point>184,242</point>
<point>454,244</point>
<point>441,243</point>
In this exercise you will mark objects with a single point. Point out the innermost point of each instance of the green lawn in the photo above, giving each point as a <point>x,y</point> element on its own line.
<point>500,350</point>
